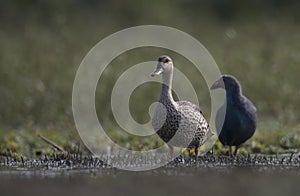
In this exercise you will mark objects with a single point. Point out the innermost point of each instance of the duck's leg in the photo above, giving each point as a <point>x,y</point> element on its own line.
<point>236,150</point>
<point>196,151</point>
<point>171,151</point>
<point>230,150</point>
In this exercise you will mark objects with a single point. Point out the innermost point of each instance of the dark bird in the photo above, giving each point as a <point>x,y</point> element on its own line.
<point>177,117</point>
<point>240,114</point>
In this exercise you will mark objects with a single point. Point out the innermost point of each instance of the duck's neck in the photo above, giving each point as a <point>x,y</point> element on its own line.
<point>166,91</point>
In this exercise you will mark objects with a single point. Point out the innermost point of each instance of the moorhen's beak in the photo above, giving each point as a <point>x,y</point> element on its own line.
<point>218,84</point>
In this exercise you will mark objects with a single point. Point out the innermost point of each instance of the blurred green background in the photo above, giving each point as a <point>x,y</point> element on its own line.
<point>42,44</point>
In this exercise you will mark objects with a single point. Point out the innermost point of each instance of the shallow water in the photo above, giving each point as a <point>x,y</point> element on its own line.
<point>170,181</point>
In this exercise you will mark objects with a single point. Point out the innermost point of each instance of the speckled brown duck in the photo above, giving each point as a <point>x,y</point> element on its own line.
<point>182,118</point>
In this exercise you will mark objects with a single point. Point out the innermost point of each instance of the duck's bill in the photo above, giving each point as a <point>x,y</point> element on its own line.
<point>218,84</point>
<point>157,72</point>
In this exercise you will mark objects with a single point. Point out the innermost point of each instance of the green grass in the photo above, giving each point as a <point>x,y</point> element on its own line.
<point>26,143</point>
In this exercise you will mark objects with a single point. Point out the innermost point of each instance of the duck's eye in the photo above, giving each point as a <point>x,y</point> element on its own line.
<point>167,60</point>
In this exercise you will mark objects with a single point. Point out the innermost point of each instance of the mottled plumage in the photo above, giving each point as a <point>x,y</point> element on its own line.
<point>240,114</point>
<point>182,118</point>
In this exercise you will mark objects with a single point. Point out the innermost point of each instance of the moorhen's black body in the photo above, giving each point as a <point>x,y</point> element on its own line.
<point>241,116</point>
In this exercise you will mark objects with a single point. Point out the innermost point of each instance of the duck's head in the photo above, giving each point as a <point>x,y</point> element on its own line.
<point>227,82</point>
<point>164,66</point>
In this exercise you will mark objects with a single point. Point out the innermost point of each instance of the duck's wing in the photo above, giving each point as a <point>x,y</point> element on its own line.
<point>189,104</point>
<point>202,131</point>
<point>195,113</point>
